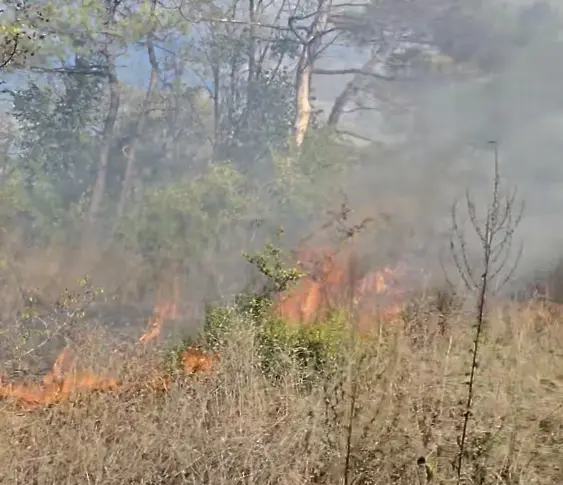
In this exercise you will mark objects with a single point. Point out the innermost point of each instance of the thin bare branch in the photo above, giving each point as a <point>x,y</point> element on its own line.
<point>495,236</point>
<point>344,72</point>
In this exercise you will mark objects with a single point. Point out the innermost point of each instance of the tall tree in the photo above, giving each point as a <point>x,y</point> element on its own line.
<point>108,51</point>
<point>133,143</point>
<point>244,53</point>
<point>57,136</point>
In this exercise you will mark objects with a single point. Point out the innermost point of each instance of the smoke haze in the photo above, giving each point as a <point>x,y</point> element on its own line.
<point>445,150</point>
<point>424,141</point>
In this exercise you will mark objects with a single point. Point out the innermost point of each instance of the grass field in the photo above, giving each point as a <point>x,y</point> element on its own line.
<point>388,410</point>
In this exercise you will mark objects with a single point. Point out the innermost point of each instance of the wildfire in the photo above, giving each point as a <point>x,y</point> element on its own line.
<point>166,308</point>
<point>381,280</point>
<point>58,385</point>
<point>195,360</point>
<point>330,282</point>
<point>163,311</point>
<point>64,381</point>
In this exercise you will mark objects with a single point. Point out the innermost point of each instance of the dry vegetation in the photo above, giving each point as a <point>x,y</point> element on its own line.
<point>430,391</point>
<point>328,369</point>
<point>237,426</point>
<point>264,400</point>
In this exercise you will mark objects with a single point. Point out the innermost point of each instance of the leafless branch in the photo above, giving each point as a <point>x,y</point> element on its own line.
<point>357,136</point>
<point>12,54</point>
<point>495,235</point>
<point>344,72</point>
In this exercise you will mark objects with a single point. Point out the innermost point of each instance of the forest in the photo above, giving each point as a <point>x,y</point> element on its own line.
<point>281,242</point>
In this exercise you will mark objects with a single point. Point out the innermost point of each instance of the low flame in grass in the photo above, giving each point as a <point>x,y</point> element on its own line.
<point>382,280</point>
<point>380,284</point>
<point>61,383</point>
<point>166,308</point>
<point>330,283</point>
<point>195,360</point>
<point>309,298</point>
<point>64,381</point>
<point>163,310</point>
<point>58,385</point>
<point>327,285</point>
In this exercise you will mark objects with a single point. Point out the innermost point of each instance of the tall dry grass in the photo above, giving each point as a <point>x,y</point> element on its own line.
<point>389,414</point>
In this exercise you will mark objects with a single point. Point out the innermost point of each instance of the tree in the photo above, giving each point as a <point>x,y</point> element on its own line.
<point>130,150</point>
<point>57,136</point>
<point>20,30</point>
<point>109,54</point>
<point>244,55</point>
<point>56,144</point>
<point>406,43</point>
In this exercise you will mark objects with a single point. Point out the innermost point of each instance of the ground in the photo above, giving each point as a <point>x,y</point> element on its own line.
<point>235,424</point>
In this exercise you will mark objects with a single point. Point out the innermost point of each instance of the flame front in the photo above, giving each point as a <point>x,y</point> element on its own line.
<point>166,308</point>
<point>195,360</point>
<point>328,285</point>
<point>58,385</point>
<point>64,381</point>
<point>163,311</point>
<point>312,298</point>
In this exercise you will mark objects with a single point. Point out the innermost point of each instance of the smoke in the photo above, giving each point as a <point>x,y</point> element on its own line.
<point>444,149</point>
<point>429,154</point>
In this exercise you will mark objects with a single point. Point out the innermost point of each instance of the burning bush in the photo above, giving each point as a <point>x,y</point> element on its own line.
<point>334,281</point>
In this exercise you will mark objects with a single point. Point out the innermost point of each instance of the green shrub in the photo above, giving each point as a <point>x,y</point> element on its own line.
<point>311,349</point>
<point>218,324</point>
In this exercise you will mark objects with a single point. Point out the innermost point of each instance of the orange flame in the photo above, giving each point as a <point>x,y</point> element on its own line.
<point>58,385</point>
<point>380,283</point>
<point>328,284</point>
<point>63,381</point>
<point>315,293</point>
<point>311,298</point>
<point>165,309</point>
<point>194,360</point>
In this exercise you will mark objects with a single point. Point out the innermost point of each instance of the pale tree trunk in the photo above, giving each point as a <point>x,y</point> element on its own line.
<point>303,103</point>
<point>216,109</point>
<point>309,51</point>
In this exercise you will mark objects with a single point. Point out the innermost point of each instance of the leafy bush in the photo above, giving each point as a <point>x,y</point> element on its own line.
<point>42,328</point>
<point>183,218</point>
<point>279,345</point>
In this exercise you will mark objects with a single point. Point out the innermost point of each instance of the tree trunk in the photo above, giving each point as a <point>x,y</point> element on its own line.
<point>251,54</point>
<point>216,108</point>
<point>107,137</point>
<point>132,151</point>
<point>303,89</point>
<point>377,55</point>
<point>307,59</point>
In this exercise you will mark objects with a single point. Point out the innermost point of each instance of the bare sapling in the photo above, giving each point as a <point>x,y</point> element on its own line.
<point>495,236</point>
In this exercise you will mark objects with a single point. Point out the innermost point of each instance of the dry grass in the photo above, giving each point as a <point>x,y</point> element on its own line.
<point>238,427</point>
